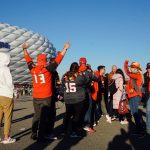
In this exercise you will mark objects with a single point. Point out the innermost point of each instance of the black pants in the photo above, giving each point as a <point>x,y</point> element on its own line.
<point>110,110</point>
<point>93,111</point>
<point>41,116</point>
<point>52,116</point>
<point>73,111</point>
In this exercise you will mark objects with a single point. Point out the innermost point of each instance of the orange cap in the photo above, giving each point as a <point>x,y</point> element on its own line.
<point>41,59</point>
<point>136,65</point>
<point>83,60</point>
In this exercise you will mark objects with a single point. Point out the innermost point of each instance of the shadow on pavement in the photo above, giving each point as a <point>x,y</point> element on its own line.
<point>23,118</point>
<point>20,119</point>
<point>19,109</point>
<point>127,141</point>
<point>21,134</point>
<point>28,131</point>
<point>119,142</point>
<point>64,142</point>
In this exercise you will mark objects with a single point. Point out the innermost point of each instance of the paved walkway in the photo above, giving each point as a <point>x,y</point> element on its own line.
<point>107,137</point>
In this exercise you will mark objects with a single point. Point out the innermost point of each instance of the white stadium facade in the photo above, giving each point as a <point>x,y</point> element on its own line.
<point>15,37</point>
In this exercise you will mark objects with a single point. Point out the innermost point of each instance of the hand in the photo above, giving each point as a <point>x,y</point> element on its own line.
<point>25,45</point>
<point>67,45</point>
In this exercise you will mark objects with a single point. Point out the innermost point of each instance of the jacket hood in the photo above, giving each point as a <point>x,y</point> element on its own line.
<point>116,76</point>
<point>42,60</point>
<point>4,59</point>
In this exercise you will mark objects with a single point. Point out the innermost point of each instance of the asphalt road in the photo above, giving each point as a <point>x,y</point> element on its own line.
<point>107,136</point>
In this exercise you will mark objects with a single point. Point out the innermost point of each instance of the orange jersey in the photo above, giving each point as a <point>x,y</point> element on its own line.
<point>42,77</point>
<point>131,91</point>
<point>94,91</point>
<point>95,88</point>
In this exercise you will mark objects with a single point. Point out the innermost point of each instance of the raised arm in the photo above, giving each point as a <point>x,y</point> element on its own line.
<point>132,75</point>
<point>53,65</point>
<point>27,56</point>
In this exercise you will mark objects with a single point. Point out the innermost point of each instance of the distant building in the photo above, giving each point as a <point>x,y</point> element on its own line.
<point>16,36</point>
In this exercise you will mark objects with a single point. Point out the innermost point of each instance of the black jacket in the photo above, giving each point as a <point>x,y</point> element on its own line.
<point>74,87</point>
<point>146,82</point>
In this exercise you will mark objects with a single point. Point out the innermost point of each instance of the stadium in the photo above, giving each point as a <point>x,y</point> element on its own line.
<point>15,37</point>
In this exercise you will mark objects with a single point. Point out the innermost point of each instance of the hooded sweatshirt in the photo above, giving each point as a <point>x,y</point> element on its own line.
<point>42,75</point>
<point>6,84</point>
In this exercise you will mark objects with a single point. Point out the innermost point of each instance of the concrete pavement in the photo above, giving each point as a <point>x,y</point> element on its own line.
<point>107,136</point>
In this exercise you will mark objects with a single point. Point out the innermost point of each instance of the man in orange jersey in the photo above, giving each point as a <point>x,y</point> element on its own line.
<point>42,90</point>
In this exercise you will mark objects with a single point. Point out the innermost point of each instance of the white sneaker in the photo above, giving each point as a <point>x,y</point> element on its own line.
<point>94,125</point>
<point>124,122</point>
<point>9,141</point>
<point>108,119</point>
<point>86,128</point>
<point>51,137</point>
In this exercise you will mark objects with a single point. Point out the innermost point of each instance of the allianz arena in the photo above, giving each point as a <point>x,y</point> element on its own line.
<point>16,36</point>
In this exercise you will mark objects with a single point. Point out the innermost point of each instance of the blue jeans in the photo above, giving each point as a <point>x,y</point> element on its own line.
<point>87,118</point>
<point>148,112</point>
<point>134,107</point>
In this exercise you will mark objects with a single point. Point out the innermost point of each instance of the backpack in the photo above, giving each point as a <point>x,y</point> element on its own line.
<point>123,109</point>
<point>112,87</point>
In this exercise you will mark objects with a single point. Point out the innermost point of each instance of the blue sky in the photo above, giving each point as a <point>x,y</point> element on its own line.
<point>106,32</point>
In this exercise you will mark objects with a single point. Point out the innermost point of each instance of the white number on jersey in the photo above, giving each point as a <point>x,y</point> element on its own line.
<point>41,78</point>
<point>70,87</point>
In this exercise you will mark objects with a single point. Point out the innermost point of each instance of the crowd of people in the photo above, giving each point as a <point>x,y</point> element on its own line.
<point>88,95</point>
<point>22,90</point>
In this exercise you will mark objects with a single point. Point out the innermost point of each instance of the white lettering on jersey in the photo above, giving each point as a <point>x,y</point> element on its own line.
<point>70,87</point>
<point>41,77</point>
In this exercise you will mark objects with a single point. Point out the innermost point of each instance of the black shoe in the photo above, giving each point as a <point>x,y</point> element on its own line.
<point>138,134</point>
<point>41,140</point>
<point>51,137</point>
<point>74,135</point>
<point>34,136</point>
<point>135,133</point>
<point>141,135</point>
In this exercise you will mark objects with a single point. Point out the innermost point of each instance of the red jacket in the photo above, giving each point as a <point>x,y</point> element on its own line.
<point>134,84</point>
<point>42,77</point>
<point>95,88</point>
